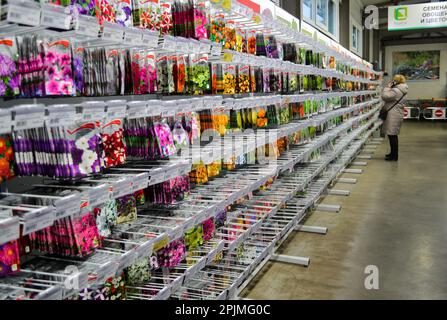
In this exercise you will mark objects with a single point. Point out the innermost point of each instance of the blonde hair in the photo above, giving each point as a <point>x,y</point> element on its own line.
<point>398,78</point>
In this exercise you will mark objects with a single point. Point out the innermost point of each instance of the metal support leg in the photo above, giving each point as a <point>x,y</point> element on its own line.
<point>347,180</point>
<point>366,157</point>
<point>311,229</point>
<point>328,207</point>
<point>359,163</point>
<point>339,192</point>
<point>302,261</point>
<point>355,171</point>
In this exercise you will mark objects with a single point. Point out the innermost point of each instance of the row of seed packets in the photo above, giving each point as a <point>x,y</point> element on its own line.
<point>194,231</point>
<point>36,65</point>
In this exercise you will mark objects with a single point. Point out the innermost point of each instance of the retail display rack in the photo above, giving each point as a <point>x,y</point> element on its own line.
<point>178,190</point>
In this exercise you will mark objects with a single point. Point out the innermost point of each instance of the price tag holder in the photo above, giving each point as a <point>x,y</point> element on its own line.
<point>133,37</point>
<point>98,195</point>
<point>113,32</point>
<point>9,229</point>
<point>121,188</point>
<point>137,109</point>
<point>24,12</point>
<point>93,111</point>
<point>29,116</point>
<point>116,109</point>
<point>176,283</point>
<point>164,293</point>
<point>184,169</point>
<point>67,206</point>
<point>171,173</point>
<point>5,121</point>
<point>189,223</point>
<point>106,271</point>
<point>169,43</point>
<point>52,293</point>
<point>216,49</point>
<point>176,233</point>
<point>150,38</point>
<point>140,181</point>
<point>61,115</point>
<point>55,17</point>
<point>191,271</point>
<point>87,26</point>
<point>127,259</point>
<point>145,249</point>
<point>79,280</point>
<point>156,177</point>
<point>169,109</point>
<point>39,221</point>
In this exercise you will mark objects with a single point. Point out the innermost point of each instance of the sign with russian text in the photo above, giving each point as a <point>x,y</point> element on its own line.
<point>417,16</point>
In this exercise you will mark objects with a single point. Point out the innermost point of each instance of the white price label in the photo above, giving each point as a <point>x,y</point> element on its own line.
<point>92,114</point>
<point>68,210</point>
<point>216,50</point>
<point>137,110</point>
<point>169,44</point>
<point>53,17</point>
<point>116,111</point>
<point>191,271</point>
<point>201,263</point>
<point>98,196</point>
<point>38,223</point>
<point>184,170</point>
<point>176,283</point>
<point>157,177</point>
<point>88,26</point>
<point>106,271</point>
<point>145,249</point>
<point>153,111</point>
<point>78,280</point>
<point>189,223</point>
<point>171,173</point>
<point>28,121</point>
<point>24,13</point>
<point>113,32</point>
<point>150,39</point>
<point>176,233</point>
<point>9,230</point>
<point>52,293</point>
<point>122,189</point>
<point>168,112</point>
<point>65,116</point>
<point>140,182</point>
<point>5,121</point>
<point>164,294</point>
<point>127,259</point>
<point>133,37</point>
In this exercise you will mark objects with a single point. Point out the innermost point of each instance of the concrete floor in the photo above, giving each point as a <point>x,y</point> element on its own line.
<point>395,219</point>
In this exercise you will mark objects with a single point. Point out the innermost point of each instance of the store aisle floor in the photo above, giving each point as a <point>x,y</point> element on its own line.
<point>395,219</point>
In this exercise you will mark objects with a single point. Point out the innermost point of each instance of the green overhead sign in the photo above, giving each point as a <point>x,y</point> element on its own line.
<point>418,16</point>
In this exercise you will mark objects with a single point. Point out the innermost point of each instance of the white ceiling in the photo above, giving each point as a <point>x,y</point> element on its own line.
<point>368,2</point>
<point>391,2</point>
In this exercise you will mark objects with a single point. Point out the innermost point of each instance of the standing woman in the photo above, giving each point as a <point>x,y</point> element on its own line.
<point>394,97</point>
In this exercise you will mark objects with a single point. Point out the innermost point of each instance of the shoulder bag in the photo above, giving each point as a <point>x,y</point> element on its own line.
<point>384,113</point>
